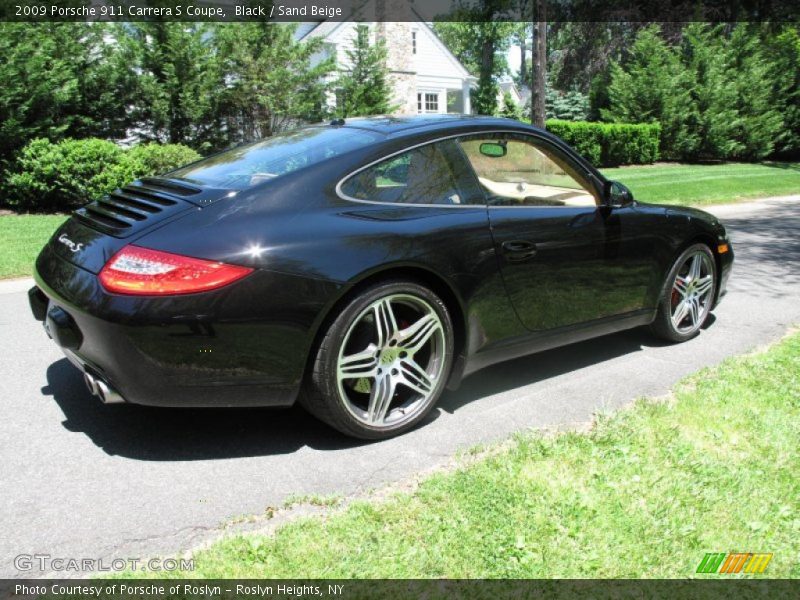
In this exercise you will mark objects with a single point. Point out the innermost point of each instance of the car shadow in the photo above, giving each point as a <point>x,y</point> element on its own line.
<point>542,366</point>
<point>173,434</point>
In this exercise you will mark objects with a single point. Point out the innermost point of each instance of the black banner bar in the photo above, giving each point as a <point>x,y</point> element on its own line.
<point>430,589</point>
<point>400,10</point>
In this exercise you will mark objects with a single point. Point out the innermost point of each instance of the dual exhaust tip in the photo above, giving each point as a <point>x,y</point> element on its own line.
<point>102,390</point>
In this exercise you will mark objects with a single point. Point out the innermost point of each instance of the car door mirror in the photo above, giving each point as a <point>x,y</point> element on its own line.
<point>618,195</point>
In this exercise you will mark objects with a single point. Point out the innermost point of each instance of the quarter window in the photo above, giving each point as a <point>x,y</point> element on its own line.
<point>424,175</point>
<point>515,171</point>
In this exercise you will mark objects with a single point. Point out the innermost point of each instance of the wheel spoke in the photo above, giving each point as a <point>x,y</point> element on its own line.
<point>416,335</point>
<point>359,365</point>
<point>415,377</point>
<point>385,322</point>
<point>694,268</point>
<point>380,398</point>
<point>680,313</point>
<point>680,286</point>
<point>694,312</point>
<point>704,285</point>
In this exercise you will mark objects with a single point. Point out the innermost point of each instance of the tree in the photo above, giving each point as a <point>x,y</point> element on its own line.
<point>653,87</point>
<point>58,80</point>
<point>520,36</point>
<point>781,49</point>
<point>178,81</point>
<point>712,94</point>
<point>567,106</point>
<point>480,45</point>
<point>510,109</point>
<point>539,86</point>
<point>270,79</point>
<point>364,90</point>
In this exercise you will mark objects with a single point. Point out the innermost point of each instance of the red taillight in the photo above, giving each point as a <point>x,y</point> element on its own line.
<point>135,270</point>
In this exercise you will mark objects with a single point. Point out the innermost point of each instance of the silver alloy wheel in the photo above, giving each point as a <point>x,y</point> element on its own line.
<point>692,293</point>
<point>391,360</point>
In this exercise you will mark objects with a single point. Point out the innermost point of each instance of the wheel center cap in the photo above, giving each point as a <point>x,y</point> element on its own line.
<point>389,355</point>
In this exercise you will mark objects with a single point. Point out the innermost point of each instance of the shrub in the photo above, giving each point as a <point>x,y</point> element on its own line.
<point>60,177</point>
<point>566,106</point>
<point>157,159</point>
<point>48,177</point>
<point>610,144</point>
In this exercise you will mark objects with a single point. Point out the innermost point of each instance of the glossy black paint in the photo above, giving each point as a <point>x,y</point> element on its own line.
<point>586,272</point>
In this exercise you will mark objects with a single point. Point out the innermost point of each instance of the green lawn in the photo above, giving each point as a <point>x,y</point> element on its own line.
<point>700,185</point>
<point>21,239</point>
<point>646,493</point>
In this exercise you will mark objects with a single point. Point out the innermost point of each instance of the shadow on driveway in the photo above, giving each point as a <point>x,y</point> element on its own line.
<point>173,434</point>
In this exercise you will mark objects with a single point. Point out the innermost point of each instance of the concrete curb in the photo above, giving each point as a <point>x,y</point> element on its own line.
<point>12,286</point>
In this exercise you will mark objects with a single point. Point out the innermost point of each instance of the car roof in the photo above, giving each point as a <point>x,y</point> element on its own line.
<point>401,126</point>
<point>406,124</point>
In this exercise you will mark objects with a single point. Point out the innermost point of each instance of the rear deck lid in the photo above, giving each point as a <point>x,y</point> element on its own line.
<point>101,228</point>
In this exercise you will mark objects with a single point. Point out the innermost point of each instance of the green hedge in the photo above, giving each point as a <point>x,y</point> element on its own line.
<point>48,177</point>
<point>157,159</point>
<point>610,144</point>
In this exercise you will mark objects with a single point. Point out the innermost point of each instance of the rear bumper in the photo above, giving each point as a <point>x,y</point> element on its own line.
<point>230,347</point>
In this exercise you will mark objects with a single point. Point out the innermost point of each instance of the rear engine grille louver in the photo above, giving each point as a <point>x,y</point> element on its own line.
<point>130,208</point>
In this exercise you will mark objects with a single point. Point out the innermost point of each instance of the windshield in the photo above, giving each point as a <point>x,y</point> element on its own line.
<point>246,166</point>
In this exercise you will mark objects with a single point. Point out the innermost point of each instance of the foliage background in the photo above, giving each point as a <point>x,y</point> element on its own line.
<point>712,92</point>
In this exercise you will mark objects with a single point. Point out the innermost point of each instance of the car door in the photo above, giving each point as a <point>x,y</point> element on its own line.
<point>562,255</point>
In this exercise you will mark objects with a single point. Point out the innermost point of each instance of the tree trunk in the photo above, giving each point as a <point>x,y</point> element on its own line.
<point>523,66</point>
<point>539,66</point>
<point>487,105</point>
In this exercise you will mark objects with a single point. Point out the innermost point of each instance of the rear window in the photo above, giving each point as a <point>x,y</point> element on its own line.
<point>246,166</point>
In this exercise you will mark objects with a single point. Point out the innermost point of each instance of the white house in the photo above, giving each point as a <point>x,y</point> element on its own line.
<point>424,75</point>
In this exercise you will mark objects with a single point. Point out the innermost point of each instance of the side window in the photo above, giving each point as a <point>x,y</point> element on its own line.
<point>517,172</point>
<point>424,175</point>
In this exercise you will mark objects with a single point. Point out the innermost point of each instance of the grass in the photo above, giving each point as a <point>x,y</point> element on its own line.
<point>645,493</point>
<point>21,239</point>
<point>700,185</point>
<point>22,236</point>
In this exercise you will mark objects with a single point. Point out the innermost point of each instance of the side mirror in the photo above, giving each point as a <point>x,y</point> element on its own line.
<point>618,195</point>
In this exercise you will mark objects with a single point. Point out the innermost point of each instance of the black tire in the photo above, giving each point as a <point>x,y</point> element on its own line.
<point>321,395</point>
<point>663,326</point>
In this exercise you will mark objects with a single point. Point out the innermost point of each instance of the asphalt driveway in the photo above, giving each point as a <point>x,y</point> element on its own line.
<point>80,479</point>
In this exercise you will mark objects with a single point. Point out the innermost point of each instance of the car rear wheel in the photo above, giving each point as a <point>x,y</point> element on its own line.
<point>383,362</point>
<point>688,295</point>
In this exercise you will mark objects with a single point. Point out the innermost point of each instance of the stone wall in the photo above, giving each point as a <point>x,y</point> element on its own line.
<point>399,60</point>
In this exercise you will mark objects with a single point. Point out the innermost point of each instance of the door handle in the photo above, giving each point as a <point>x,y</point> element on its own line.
<point>519,249</point>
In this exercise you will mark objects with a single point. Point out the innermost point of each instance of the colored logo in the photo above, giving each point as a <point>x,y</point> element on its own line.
<point>734,562</point>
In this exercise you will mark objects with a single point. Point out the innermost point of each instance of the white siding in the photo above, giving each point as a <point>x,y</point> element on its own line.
<point>431,59</point>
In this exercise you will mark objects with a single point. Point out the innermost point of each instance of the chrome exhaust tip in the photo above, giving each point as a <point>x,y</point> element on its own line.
<point>108,394</point>
<point>91,383</point>
<point>102,390</point>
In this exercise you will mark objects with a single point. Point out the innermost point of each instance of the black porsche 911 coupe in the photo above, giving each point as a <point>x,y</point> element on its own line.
<point>363,266</point>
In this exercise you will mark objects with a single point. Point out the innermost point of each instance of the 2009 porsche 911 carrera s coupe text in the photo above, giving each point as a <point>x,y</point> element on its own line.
<point>363,266</point>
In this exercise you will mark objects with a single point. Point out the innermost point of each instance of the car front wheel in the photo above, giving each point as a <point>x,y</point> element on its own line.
<point>383,362</point>
<point>688,295</point>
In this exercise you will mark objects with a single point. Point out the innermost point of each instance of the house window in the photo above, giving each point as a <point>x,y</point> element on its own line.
<point>427,102</point>
<point>413,42</point>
